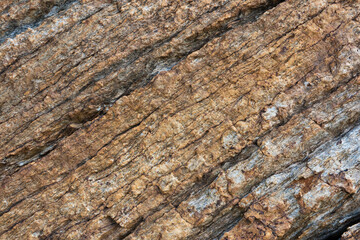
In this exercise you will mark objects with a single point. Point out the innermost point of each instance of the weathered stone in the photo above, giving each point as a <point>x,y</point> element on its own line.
<point>179,119</point>
<point>353,233</point>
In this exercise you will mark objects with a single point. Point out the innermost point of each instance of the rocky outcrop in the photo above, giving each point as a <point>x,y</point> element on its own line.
<point>179,119</point>
<point>352,233</point>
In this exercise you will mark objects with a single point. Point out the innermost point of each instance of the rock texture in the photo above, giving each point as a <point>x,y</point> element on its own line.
<point>232,119</point>
<point>353,233</point>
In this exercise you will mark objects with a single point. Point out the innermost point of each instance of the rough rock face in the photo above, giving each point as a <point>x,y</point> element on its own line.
<point>353,233</point>
<point>232,119</point>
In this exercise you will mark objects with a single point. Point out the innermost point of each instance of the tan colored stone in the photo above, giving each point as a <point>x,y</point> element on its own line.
<point>179,119</point>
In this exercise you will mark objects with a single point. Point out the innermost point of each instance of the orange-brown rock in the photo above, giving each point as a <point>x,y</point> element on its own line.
<point>353,233</point>
<point>233,119</point>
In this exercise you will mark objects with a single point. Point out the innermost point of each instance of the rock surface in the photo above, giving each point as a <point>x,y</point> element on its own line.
<point>232,119</point>
<point>353,233</point>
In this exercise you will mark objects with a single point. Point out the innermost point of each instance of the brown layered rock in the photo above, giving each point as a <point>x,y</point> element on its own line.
<point>352,233</point>
<point>179,119</point>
